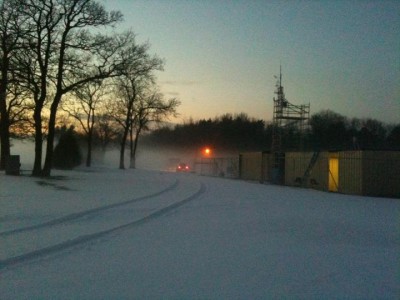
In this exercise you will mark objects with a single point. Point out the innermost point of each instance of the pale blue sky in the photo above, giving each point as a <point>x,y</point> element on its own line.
<point>221,56</point>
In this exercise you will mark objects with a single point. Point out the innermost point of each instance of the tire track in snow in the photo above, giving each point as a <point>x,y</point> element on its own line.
<point>90,237</point>
<point>74,216</point>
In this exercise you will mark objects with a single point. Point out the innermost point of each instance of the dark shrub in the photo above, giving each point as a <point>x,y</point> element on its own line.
<point>67,154</point>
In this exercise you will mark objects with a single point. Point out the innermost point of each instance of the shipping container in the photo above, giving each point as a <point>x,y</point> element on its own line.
<point>250,166</point>
<point>370,173</point>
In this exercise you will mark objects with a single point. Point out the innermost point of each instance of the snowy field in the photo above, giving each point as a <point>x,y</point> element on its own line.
<point>105,233</point>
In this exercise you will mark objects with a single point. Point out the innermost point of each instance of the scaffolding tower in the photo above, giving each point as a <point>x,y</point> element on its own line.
<point>285,115</point>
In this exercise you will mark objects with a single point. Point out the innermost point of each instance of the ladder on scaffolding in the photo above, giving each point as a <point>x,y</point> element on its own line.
<point>310,166</point>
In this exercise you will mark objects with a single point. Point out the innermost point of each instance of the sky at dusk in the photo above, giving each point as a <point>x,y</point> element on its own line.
<point>221,56</point>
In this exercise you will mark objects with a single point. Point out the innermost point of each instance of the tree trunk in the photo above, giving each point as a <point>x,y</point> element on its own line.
<point>123,145</point>
<point>37,164</point>
<point>127,128</point>
<point>5,141</point>
<point>48,163</point>
<point>89,150</point>
<point>122,154</point>
<point>133,150</point>
<point>131,158</point>
<point>90,138</point>
<point>4,117</point>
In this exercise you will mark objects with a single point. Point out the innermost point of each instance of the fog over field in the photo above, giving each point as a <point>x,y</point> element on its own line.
<point>149,158</point>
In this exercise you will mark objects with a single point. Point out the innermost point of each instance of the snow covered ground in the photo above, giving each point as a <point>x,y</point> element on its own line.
<point>104,233</point>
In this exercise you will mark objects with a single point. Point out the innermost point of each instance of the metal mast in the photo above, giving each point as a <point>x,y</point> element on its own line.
<point>285,115</point>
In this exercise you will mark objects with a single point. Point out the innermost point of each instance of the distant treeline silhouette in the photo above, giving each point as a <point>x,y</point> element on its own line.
<point>328,130</point>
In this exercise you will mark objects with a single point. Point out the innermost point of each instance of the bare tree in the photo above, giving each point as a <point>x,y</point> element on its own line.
<point>66,53</point>
<point>107,130</point>
<point>150,108</point>
<point>12,30</point>
<point>137,75</point>
<point>36,62</point>
<point>18,110</point>
<point>89,98</point>
<point>82,56</point>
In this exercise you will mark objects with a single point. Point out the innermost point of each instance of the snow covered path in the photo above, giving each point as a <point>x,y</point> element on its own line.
<point>204,238</point>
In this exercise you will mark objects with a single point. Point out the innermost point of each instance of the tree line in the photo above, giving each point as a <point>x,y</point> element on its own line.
<point>327,130</point>
<point>63,59</point>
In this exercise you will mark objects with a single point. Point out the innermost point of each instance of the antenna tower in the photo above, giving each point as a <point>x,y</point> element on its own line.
<point>285,115</point>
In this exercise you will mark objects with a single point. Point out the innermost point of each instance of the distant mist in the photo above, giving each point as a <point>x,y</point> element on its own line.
<point>150,158</point>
